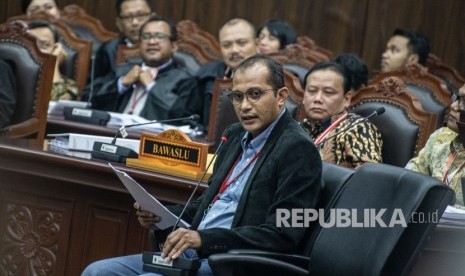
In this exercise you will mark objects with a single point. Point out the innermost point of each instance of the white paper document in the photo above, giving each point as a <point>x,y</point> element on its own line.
<point>148,202</point>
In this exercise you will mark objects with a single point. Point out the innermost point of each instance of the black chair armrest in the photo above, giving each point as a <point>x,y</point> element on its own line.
<point>297,260</point>
<point>227,264</point>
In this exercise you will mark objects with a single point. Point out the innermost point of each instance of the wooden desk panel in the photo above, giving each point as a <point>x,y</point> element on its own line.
<point>59,213</point>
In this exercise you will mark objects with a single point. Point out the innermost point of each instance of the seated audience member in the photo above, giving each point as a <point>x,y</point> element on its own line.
<point>343,138</point>
<point>356,68</point>
<point>7,93</point>
<point>63,88</point>
<point>155,89</point>
<point>256,173</point>
<point>443,156</point>
<point>30,7</point>
<point>275,35</point>
<point>237,43</point>
<point>403,48</point>
<point>130,15</point>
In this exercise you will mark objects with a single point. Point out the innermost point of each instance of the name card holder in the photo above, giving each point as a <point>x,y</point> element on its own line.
<point>171,152</point>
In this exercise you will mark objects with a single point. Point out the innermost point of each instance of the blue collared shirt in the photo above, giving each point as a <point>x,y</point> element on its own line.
<point>222,212</point>
<point>122,88</point>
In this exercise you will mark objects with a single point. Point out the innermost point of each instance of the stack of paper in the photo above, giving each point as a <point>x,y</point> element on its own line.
<point>83,142</point>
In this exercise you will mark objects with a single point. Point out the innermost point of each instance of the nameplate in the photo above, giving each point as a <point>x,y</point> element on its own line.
<point>158,260</point>
<point>82,112</point>
<point>171,152</point>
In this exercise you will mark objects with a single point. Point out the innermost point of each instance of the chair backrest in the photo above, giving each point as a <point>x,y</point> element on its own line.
<point>85,26</point>
<point>430,90</point>
<point>79,51</point>
<point>405,126</point>
<point>446,73</point>
<point>222,112</point>
<point>34,75</point>
<point>393,193</point>
<point>311,46</point>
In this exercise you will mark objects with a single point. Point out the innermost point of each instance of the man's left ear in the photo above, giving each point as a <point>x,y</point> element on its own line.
<point>348,98</point>
<point>282,95</point>
<point>174,46</point>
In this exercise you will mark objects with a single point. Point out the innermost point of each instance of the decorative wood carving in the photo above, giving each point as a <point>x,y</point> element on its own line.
<point>30,244</point>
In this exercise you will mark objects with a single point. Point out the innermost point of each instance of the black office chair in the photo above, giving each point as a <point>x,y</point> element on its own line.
<point>356,250</point>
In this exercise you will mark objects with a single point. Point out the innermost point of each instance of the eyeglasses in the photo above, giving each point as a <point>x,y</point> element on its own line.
<point>131,17</point>
<point>253,95</point>
<point>156,36</point>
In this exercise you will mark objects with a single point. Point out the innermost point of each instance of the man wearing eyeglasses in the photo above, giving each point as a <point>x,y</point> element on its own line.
<point>268,163</point>
<point>130,15</point>
<point>155,89</point>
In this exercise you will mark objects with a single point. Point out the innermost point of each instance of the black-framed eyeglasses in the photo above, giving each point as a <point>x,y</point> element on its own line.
<point>253,95</point>
<point>131,17</point>
<point>156,36</point>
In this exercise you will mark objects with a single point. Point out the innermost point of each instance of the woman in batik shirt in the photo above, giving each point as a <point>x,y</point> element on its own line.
<point>343,138</point>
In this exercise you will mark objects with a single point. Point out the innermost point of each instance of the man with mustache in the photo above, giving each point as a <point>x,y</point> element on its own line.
<point>237,42</point>
<point>155,89</point>
<point>443,156</point>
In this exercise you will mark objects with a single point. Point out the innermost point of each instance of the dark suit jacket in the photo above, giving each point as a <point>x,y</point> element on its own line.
<point>287,175</point>
<point>7,93</point>
<point>175,95</point>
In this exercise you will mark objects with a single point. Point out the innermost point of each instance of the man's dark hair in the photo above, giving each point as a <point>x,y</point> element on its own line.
<point>120,2</point>
<point>333,66</point>
<point>280,29</point>
<point>356,68</point>
<point>275,70</point>
<point>43,24</point>
<point>156,18</point>
<point>418,44</point>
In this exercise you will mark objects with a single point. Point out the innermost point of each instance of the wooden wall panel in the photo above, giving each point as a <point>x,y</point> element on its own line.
<point>360,27</point>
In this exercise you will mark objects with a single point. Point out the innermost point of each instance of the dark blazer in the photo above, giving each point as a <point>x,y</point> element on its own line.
<point>7,93</point>
<point>287,175</point>
<point>175,95</point>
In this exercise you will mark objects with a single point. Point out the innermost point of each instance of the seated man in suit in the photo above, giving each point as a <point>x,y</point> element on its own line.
<point>343,138</point>
<point>237,42</point>
<point>130,15</point>
<point>254,176</point>
<point>7,93</point>
<point>443,156</point>
<point>403,48</point>
<point>155,89</point>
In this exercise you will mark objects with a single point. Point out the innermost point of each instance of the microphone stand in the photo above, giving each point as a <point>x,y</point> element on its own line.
<point>87,115</point>
<point>115,153</point>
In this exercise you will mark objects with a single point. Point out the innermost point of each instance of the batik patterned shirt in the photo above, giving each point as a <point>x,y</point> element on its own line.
<point>355,141</point>
<point>432,160</point>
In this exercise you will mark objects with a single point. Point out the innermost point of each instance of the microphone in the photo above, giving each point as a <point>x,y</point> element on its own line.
<point>87,115</point>
<point>115,153</point>
<point>153,262</point>
<point>224,139</point>
<point>377,112</point>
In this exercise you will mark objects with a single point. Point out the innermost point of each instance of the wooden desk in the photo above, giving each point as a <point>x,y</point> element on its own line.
<point>60,213</point>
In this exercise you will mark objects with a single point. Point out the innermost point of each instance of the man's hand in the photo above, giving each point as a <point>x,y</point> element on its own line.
<point>179,241</point>
<point>132,76</point>
<point>146,218</point>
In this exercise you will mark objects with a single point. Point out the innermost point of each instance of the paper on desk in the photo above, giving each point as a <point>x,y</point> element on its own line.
<point>148,202</point>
